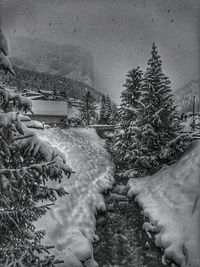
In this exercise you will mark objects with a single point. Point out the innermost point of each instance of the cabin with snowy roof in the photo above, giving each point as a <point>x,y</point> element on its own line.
<point>53,113</point>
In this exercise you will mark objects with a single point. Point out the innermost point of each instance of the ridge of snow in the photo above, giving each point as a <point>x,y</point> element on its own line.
<point>170,199</point>
<point>70,224</point>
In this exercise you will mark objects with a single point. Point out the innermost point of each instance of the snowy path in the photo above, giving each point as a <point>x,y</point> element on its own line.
<point>70,224</point>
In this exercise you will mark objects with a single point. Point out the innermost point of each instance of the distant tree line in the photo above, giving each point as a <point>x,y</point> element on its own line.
<point>28,79</point>
<point>108,113</point>
<point>68,88</point>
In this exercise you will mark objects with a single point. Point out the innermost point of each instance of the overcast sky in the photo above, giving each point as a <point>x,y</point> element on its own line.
<point>119,33</point>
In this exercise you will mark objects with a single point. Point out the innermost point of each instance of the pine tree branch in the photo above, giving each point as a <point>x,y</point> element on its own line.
<point>27,168</point>
<point>24,209</point>
<point>23,137</point>
<point>50,188</point>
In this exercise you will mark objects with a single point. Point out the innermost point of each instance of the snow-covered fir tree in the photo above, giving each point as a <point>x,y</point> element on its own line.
<point>107,109</point>
<point>130,103</point>
<point>114,115</point>
<point>102,110</point>
<point>87,109</point>
<point>26,164</point>
<point>157,140</point>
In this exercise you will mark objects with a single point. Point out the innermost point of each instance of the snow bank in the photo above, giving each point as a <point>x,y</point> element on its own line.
<point>89,134</point>
<point>70,224</point>
<point>170,199</point>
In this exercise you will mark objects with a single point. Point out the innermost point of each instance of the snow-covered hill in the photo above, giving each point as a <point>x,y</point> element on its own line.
<point>70,224</point>
<point>171,200</point>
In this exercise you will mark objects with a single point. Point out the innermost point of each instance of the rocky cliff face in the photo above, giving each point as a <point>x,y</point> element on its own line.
<point>184,96</point>
<point>43,56</point>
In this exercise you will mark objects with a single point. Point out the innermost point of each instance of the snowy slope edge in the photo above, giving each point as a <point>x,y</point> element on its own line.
<point>71,222</point>
<point>170,199</point>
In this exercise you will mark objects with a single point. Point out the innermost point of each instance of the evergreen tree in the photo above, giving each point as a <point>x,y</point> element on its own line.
<point>102,110</point>
<point>87,109</point>
<point>107,109</point>
<point>130,103</point>
<point>113,119</point>
<point>26,164</point>
<point>157,140</point>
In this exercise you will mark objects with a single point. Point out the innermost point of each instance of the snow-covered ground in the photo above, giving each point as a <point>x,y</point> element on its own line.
<point>170,199</point>
<point>70,224</point>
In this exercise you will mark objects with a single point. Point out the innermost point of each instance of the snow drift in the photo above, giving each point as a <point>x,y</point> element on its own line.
<point>70,224</point>
<point>170,199</point>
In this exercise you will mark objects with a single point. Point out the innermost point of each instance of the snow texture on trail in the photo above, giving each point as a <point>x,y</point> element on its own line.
<point>70,224</point>
<point>170,199</point>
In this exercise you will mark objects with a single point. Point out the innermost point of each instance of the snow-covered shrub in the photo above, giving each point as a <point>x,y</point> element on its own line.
<point>26,165</point>
<point>75,121</point>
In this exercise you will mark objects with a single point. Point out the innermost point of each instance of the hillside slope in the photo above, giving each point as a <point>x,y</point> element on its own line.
<point>71,221</point>
<point>27,79</point>
<point>43,56</point>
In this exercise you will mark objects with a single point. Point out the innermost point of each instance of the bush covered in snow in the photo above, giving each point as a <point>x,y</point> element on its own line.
<point>74,121</point>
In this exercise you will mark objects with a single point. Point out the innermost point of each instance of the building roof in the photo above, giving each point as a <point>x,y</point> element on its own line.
<point>50,108</point>
<point>28,92</point>
<point>37,97</point>
<point>46,92</point>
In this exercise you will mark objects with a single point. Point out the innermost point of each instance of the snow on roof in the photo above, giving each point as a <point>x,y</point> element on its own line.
<point>51,108</point>
<point>35,97</point>
<point>74,100</point>
<point>46,92</point>
<point>27,91</point>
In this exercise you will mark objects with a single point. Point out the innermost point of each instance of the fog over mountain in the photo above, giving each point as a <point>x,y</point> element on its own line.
<point>118,33</point>
<point>67,60</point>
